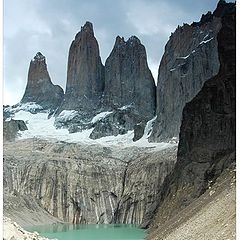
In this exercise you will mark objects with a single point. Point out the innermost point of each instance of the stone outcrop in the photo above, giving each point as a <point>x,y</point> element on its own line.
<point>207,144</point>
<point>128,80</point>
<point>130,91</point>
<point>86,183</point>
<point>11,129</point>
<point>12,231</point>
<point>190,58</point>
<point>117,122</point>
<point>85,73</point>
<point>40,88</point>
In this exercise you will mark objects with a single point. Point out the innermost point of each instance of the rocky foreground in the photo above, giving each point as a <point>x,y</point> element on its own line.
<point>210,217</point>
<point>12,231</point>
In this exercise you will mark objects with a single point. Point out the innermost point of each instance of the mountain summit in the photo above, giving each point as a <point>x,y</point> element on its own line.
<point>40,88</point>
<point>85,74</point>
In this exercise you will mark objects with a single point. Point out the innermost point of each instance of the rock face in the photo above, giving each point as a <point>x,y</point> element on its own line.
<point>11,129</point>
<point>207,144</point>
<point>117,122</point>
<point>130,91</point>
<point>128,80</point>
<point>85,74</point>
<point>39,88</point>
<point>86,183</point>
<point>125,87</point>
<point>190,58</point>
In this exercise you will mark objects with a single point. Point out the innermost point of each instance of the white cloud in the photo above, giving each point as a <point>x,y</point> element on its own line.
<point>150,18</point>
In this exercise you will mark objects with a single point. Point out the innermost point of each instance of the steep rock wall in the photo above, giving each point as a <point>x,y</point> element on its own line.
<point>207,144</point>
<point>190,58</point>
<point>85,73</point>
<point>128,80</point>
<point>87,184</point>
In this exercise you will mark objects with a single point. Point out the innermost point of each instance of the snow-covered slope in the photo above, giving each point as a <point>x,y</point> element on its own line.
<point>41,126</point>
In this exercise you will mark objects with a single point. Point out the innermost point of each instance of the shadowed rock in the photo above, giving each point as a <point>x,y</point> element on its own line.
<point>190,58</point>
<point>207,142</point>
<point>11,129</point>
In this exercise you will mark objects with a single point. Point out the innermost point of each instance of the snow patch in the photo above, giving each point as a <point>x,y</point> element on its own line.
<point>67,115</point>
<point>172,69</point>
<point>206,41</point>
<point>100,116</point>
<point>206,36</point>
<point>40,126</point>
<point>184,57</point>
<point>28,107</point>
<point>125,107</point>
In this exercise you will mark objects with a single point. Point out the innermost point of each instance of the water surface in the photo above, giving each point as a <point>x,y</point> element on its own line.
<point>90,232</point>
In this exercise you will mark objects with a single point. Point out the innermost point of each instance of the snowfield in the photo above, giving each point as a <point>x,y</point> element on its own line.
<point>40,126</point>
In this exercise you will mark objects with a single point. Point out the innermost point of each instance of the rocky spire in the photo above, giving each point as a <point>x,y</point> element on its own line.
<point>85,74</point>
<point>40,88</point>
<point>224,8</point>
<point>128,80</point>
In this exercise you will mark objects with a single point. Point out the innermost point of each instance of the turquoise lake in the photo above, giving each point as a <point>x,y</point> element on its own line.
<point>90,232</point>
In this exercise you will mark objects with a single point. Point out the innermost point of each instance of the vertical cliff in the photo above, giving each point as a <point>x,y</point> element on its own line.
<point>84,183</point>
<point>207,143</point>
<point>85,73</point>
<point>130,91</point>
<point>190,58</point>
<point>128,80</point>
<point>39,87</point>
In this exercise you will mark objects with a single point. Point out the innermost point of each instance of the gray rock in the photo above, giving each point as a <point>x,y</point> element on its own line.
<point>139,131</point>
<point>128,80</point>
<point>119,121</point>
<point>39,87</point>
<point>207,142</point>
<point>190,58</point>
<point>86,183</point>
<point>11,129</point>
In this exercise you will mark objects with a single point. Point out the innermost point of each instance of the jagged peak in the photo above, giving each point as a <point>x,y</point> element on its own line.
<point>134,39</point>
<point>119,40</point>
<point>39,57</point>
<point>221,2</point>
<point>86,28</point>
<point>223,8</point>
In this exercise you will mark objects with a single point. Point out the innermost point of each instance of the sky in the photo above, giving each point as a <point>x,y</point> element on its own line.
<point>49,26</point>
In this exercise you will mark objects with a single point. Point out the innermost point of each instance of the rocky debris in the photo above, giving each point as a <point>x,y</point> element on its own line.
<point>207,144</point>
<point>128,80</point>
<point>40,89</point>
<point>191,57</point>
<point>11,129</point>
<point>117,122</point>
<point>86,183</point>
<point>211,216</point>
<point>85,74</point>
<point>12,231</point>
